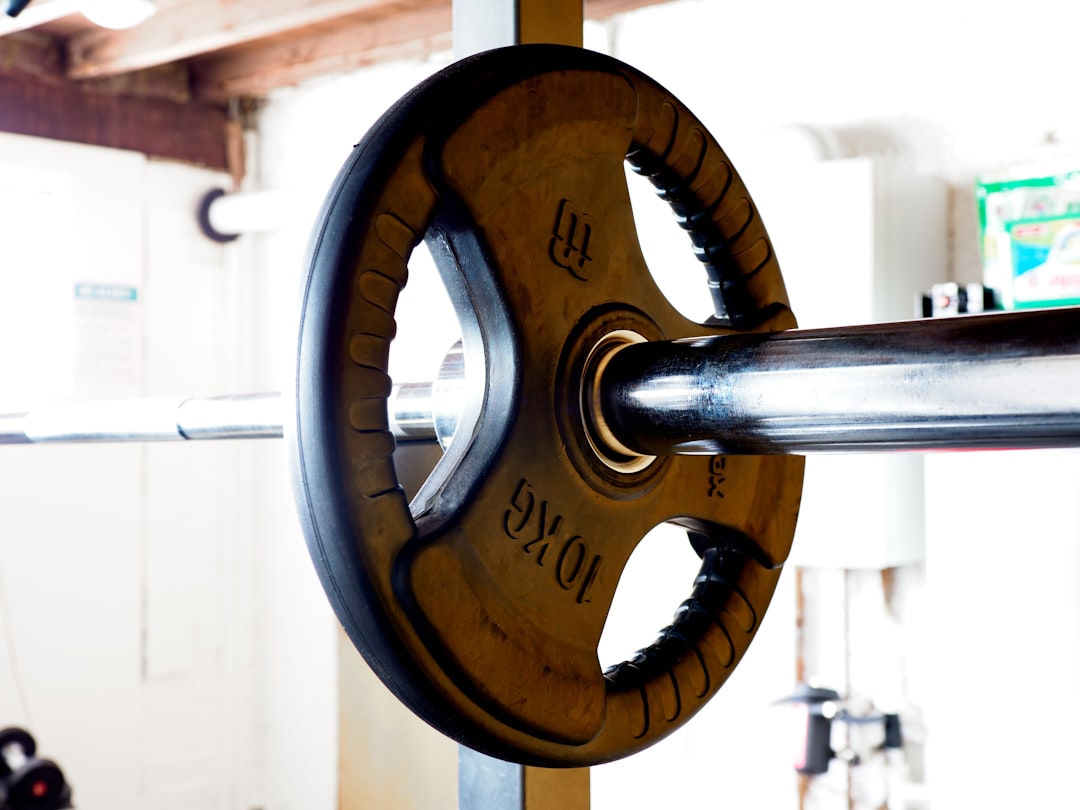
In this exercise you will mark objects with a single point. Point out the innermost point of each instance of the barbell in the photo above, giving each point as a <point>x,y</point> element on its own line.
<point>581,409</point>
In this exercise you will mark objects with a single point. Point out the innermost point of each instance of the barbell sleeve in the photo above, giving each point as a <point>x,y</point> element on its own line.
<point>1008,380</point>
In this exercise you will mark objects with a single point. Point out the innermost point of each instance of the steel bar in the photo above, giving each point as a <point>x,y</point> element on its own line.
<point>986,381</point>
<point>412,412</point>
<point>162,419</point>
<point>249,416</point>
<point>1008,380</point>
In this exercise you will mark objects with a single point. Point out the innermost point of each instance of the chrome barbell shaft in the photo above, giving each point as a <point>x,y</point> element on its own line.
<point>1008,380</point>
<point>1002,380</point>
<point>248,416</point>
<point>163,419</point>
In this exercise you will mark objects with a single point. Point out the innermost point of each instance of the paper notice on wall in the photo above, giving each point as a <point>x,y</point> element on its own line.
<point>108,336</point>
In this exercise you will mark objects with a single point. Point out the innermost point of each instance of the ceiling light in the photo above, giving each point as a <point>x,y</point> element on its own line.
<point>117,14</point>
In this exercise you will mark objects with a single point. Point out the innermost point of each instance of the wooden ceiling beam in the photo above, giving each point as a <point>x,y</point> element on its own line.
<point>35,101</point>
<point>31,54</point>
<point>299,38</point>
<point>224,49</point>
<point>184,30</point>
<point>190,133</point>
<point>395,31</point>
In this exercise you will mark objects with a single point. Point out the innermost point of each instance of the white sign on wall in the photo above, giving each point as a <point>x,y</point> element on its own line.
<point>108,335</point>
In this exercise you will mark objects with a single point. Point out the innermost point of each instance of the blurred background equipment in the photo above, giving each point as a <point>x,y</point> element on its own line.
<point>28,782</point>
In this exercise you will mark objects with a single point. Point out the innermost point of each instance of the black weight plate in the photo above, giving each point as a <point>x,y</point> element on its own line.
<point>481,605</point>
<point>19,737</point>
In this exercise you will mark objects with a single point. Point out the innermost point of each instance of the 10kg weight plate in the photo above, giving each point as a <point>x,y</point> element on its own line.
<point>481,604</point>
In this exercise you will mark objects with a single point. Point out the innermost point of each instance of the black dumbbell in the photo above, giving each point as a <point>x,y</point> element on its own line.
<point>27,782</point>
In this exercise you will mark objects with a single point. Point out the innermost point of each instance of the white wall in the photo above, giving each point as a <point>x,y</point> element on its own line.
<point>70,542</point>
<point>840,62</point>
<point>164,635</point>
<point>1003,566</point>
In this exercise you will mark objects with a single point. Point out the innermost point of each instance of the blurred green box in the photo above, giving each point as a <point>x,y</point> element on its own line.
<point>1019,220</point>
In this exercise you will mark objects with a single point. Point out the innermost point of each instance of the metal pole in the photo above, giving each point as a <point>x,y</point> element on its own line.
<point>1008,380</point>
<point>250,416</point>
<point>414,415</point>
<point>986,381</point>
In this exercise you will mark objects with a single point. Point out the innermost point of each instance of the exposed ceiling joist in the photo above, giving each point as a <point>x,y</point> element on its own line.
<point>160,87</point>
<point>286,40</point>
<point>183,30</point>
<point>393,31</point>
<point>190,132</point>
<point>150,112</point>
<point>30,54</point>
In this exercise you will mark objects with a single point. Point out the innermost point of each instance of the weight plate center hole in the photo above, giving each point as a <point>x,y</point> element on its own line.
<point>603,442</point>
